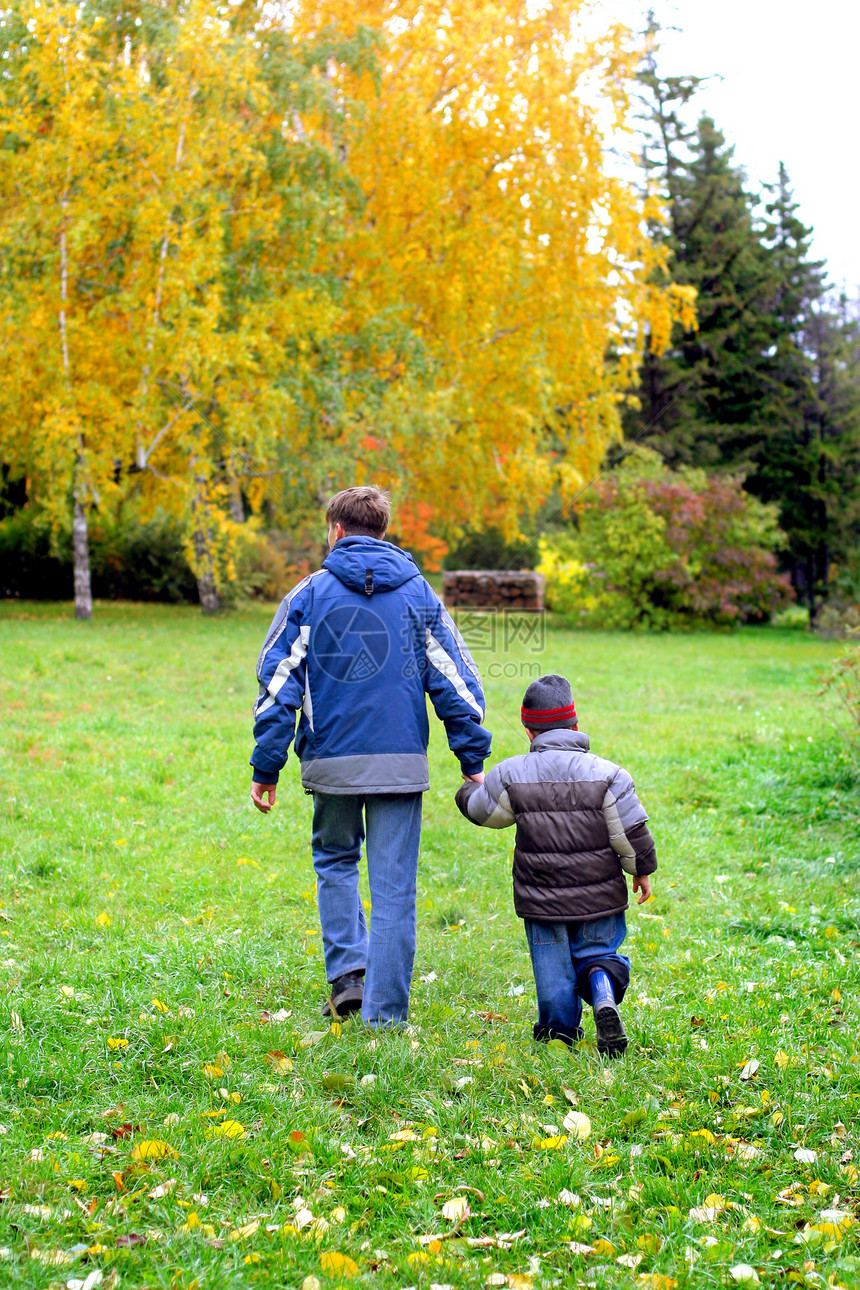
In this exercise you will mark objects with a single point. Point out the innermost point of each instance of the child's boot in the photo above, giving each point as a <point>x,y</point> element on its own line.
<point>611,1039</point>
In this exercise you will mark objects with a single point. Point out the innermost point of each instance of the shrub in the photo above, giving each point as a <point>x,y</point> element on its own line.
<point>490,549</point>
<point>28,566</point>
<point>840,616</point>
<point>129,560</point>
<point>661,549</point>
<point>267,564</point>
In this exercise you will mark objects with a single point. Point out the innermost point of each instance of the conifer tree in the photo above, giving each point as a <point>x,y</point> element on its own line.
<point>767,384</point>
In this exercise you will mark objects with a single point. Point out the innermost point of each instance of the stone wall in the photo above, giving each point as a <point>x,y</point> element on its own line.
<point>491,589</point>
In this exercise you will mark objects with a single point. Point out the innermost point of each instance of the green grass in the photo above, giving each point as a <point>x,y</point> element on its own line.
<point>144,901</point>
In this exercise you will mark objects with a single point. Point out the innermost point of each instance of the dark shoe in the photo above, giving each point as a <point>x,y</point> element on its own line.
<point>611,1039</point>
<point>346,995</point>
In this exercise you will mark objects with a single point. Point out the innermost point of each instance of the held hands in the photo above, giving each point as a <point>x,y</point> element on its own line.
<point>477,779</point>
<point>643,886</point>
<point>259,793</point>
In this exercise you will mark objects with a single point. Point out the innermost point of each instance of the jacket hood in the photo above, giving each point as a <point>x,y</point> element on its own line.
<point>370,565</point>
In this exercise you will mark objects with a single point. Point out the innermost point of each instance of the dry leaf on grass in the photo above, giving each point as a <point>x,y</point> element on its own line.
<point>242,1233</point>
<point>456,1210</point>
<point>93,1279</point>
<point>279,1061</point>
<point>335,1264</point>
<point>227,1129</point>
<point>577,1124</point>
<point>153,1149</point>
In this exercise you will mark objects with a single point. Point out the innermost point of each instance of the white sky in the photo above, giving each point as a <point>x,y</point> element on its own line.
<point>790,92</point>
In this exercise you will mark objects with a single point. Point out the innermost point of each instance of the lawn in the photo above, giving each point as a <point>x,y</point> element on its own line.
<point>174,1111</point>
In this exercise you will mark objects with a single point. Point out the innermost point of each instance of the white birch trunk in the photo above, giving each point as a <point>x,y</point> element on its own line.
<point>80,526</point>
<point>81,556</point>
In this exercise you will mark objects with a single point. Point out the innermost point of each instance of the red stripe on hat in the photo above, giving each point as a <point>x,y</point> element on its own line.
<point>564,713</point>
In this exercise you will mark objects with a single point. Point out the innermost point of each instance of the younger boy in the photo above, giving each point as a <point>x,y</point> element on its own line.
<point>579,826</point>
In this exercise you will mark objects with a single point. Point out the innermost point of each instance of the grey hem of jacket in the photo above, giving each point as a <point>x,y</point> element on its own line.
<point>587,918</point>
<point>373,774</point>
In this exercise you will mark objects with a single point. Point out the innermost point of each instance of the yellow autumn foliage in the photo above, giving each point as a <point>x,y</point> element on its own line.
<point>493,218</point>
<point>402,254</point>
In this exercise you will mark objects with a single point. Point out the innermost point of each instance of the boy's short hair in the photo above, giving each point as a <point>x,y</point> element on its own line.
<point>363,511</point>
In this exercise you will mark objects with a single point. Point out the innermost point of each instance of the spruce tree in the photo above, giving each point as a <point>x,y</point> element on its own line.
<point>769,384</point>
<point>698,399</point>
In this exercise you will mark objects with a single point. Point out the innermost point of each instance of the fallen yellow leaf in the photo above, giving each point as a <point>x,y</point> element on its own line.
<point>229,1129</point>
<point>650,1243</point>
<point>242,1233</point>
<point>103,919</point>
<point>279,1062</point>
<point>153,1149</point>
<point>456,1209</point>
<point>577,1124</point>
<point>333,1263</point>
<point>117,1045</point>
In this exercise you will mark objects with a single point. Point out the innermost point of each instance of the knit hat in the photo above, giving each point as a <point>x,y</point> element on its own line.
<point>548,704</point>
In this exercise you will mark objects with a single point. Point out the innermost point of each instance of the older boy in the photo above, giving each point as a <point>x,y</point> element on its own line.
<point>355,648</point>
<point>579,826</point>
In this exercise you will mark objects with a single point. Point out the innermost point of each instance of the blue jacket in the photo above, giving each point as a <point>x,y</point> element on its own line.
<point>354,648</point>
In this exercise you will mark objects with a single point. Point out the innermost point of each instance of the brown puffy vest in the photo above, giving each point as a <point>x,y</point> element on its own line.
<point>565,869</point>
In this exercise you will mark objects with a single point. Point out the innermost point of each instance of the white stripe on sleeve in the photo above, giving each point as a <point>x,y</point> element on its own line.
<point>442,661</point>
<point>285,667</point>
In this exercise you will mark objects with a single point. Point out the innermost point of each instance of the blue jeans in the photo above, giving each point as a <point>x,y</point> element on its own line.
<point>563,955</point>
<point>392,825</point>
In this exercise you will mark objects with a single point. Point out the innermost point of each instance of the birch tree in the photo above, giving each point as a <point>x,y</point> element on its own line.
<point>495,219</point>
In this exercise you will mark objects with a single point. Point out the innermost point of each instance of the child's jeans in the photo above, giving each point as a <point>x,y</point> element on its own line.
<point>563,955</point>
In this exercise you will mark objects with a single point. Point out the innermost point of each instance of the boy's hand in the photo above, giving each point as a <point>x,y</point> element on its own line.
<point>477,779</point>
<point>643,886</point>
<point>259,793</point>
